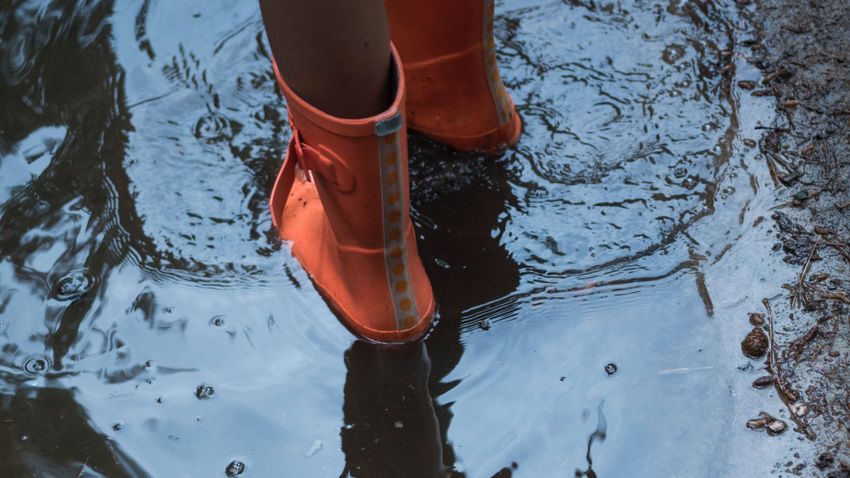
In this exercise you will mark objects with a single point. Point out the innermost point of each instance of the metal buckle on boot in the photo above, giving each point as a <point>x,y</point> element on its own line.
<point>389,126</point>
<point>299,154</point>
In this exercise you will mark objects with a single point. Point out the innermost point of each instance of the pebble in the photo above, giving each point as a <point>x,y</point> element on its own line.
<point>799,409</point>
<point>773,426</point>
<point>756,423</point>
<point>776,427</point>
<point>755,343</point>
<point>756,319</point>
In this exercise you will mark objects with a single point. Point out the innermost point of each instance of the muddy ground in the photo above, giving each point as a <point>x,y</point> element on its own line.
<point>802,50</point>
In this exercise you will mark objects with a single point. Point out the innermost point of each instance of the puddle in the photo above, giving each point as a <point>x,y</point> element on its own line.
<point>152,324</point>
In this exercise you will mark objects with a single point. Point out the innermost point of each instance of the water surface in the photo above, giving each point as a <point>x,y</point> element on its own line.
<point>152,324</point>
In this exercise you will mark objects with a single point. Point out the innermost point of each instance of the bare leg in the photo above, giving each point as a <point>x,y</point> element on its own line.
<point>334,53</point>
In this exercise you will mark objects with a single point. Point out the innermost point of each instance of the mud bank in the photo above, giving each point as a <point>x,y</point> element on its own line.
<point>801,50</point>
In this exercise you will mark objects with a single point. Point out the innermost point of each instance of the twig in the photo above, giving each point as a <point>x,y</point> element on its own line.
<point>779,381</point>
<point>799,296</point>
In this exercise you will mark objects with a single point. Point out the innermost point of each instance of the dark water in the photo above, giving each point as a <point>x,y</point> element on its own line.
<point>152,324</point>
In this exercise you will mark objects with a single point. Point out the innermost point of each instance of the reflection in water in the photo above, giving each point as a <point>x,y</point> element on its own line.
<point>390,425</point>
<point>464,258</point>
<point>393,427</point>
<point>46,433</point>
<point>599,434</point>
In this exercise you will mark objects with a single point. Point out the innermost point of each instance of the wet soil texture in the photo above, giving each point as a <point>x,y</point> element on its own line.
<point>802,50</point>
<point>594,281</point>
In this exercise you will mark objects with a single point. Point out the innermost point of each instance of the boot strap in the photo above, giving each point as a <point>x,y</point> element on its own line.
<point>313,161</point>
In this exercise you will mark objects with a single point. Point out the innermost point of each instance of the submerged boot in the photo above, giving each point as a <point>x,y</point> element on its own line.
<point>341,197</point>
<point>454,92</point>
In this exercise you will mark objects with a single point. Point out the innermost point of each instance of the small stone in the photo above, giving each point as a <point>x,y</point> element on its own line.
<point>235,468</point>
<point>750,143</point>
<point>756,319</point>
<point>611,369</point>
<point>755,343</point>
<point>776,427</point>
<point>484,324</point>
<point>756,423</point>
<point>799,409</point>
<point>747,84</point>
<point>801,195</point>
<point>763,382</point>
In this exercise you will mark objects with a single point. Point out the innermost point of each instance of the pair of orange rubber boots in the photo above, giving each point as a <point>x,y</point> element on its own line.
<point>346,207</point>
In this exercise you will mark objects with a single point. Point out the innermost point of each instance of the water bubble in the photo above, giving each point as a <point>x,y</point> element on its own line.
<point>36,365</point>
<point>484,324</point>
<point>73,285</point>
<point>204,392</point>
<point>217,321</point>
<point>234,468</point>
<point>398,424</point>
<point>213,127</point>
<point>611,369</point>
<point>117,426</point>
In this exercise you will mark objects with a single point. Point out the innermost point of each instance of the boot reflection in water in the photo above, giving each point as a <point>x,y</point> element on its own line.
<point>342,194</point>
<point>390,425</point>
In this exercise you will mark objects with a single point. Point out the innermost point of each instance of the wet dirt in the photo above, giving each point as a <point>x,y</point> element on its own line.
<point>594,281</point>
<point>801,50</point>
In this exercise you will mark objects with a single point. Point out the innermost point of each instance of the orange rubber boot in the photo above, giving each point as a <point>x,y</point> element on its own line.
<point>454,92</point>
<point>346,209</point>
